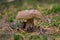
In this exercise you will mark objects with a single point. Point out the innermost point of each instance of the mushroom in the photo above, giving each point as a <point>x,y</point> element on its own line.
<point>29,15</point>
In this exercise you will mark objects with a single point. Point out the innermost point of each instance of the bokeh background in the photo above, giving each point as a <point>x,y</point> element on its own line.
<point>9,9</point>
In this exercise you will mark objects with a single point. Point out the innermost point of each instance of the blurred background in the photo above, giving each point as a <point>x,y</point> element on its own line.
<point>9,9</point>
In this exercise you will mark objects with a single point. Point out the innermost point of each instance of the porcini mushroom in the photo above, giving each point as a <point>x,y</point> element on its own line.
<point>29,15</point>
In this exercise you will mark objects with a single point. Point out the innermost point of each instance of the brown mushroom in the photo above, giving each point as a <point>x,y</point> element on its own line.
<point>29,15</point>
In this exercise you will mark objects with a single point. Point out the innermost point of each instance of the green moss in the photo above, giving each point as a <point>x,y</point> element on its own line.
<point>44,37</point>
<point>18,37</point>
<point>56,8</point>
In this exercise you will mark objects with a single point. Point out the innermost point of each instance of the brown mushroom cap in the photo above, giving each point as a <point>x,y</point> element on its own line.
<point>28,14</point>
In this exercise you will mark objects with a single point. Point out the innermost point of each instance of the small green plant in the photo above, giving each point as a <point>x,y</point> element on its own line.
<point>44,24</point>
<point>46,11</point>
<point>18,37</point>
<point>10,19</point>
<point>34,37</point>
<point>0,16</point>
<point>24,33</point>
<point>56,8</point>
<point>44,37</point>
<point>55,21</point>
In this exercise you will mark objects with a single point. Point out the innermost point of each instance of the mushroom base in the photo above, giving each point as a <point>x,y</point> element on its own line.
<point>29,22</point>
